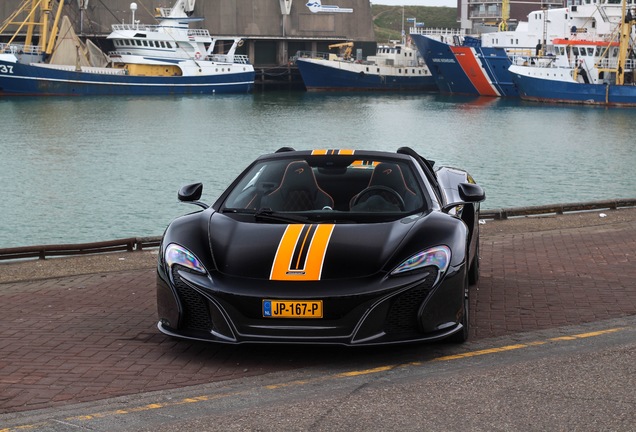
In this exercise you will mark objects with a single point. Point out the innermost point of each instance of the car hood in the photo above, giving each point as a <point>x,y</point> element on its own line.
<point>303,251</point>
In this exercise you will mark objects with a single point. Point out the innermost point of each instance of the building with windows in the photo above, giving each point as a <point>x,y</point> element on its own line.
<point>483,16</point>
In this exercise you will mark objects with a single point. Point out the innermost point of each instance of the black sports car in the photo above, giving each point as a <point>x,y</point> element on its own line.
<point>325,246</point>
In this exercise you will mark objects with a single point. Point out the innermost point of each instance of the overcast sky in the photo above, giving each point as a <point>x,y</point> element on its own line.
<point>449,3</point>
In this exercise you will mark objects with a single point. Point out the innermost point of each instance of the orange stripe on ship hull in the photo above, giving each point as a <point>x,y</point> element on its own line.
<point>476,74</point>
<point>310,268</point>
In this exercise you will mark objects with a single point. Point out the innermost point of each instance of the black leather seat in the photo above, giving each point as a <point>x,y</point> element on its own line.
<point>389,175</point>
<point>298,191</point>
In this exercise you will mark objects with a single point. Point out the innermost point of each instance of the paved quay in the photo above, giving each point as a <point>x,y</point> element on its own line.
<point>82,329</point>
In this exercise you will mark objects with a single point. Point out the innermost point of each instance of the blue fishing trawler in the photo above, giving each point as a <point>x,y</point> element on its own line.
<point>479,65</point>
<point>395,67</point>
<point>582,72</point>
<point>163,58</point>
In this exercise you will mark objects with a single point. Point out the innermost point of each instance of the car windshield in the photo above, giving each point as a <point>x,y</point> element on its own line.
<point>311,188</point>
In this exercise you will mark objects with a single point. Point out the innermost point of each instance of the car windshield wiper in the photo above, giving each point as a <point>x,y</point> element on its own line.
<point>268,214</point>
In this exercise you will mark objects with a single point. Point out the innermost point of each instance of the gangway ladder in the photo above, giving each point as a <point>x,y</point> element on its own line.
<point>603,13</point>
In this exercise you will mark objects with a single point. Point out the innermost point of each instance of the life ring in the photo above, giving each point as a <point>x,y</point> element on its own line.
<point>240,43</point>
<point>197,55</point>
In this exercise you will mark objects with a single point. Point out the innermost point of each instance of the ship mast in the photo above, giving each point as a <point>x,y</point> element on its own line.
<point>33,15</point>
<point>505,15</point>
<point>624,39</point>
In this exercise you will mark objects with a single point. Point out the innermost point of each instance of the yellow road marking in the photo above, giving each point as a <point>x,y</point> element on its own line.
<point>349,374</point>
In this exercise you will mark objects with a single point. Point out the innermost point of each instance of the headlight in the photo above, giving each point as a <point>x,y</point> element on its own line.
<point>176,254</point>
<point>438,256</point>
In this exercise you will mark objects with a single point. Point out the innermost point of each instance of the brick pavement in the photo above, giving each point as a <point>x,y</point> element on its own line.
<point>89,337</point>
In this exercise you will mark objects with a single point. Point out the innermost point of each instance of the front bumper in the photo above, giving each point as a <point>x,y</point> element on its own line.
<point>410,308</point>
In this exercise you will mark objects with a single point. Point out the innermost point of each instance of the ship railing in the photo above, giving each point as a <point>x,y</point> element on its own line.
<point>532,60</point>
<point>311,54</point>
<point>612,63</point>
<point>199,32</point>
<point>136,27</point>
<point>226,58</point>
<point>19,49</point>
<point>446,32</point>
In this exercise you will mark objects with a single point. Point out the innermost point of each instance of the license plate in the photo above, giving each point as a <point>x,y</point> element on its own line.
<point>292,308</point>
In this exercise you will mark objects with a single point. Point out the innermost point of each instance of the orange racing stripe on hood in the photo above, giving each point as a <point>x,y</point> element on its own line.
<point>323,152</point>
<point>301,252</point>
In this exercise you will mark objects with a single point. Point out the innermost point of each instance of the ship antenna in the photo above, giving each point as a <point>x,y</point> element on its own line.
<point>133,8</point>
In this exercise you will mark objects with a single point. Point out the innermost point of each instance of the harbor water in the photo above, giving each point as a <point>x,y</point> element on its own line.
<point>76,170</point>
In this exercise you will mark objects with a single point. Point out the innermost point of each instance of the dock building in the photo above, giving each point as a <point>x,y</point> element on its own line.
<point>273,30</point>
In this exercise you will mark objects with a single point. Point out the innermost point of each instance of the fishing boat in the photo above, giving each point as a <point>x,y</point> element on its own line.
<point>395,67</point>
<point>479,65</point>
<point>583,71</point>
<point>465,66</point>
<point>164,58</point>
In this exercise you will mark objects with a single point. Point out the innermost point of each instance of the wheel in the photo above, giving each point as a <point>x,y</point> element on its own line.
<point>462,335</point>
<point>384,192</point>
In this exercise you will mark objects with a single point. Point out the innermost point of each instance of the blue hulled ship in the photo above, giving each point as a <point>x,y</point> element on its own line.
<point>397,67</point>
<point>165,58</point>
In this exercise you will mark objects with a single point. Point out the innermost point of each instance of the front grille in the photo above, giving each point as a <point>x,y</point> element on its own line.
<point>402,316</point>
<point>196,314</point>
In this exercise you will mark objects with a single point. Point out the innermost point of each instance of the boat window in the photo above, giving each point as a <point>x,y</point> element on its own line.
<point>590,51</point>
<point>138,43</point>
<point>145,43</point>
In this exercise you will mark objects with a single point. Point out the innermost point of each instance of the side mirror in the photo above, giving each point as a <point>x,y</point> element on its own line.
<point>470,192</point>
<point>191,192</point>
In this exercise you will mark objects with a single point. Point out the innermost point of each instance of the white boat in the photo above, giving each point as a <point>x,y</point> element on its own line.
<point>395,67</point>
<point>581,71</point>
<point>478,65</point>
<point>163,58</point>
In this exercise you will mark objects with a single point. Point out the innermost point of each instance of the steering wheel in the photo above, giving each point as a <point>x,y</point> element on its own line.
<point>383,192</point>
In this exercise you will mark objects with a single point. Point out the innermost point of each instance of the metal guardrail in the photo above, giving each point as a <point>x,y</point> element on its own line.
<point>140,243</point>
<point>505,213</point>
<point>44,251</point>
